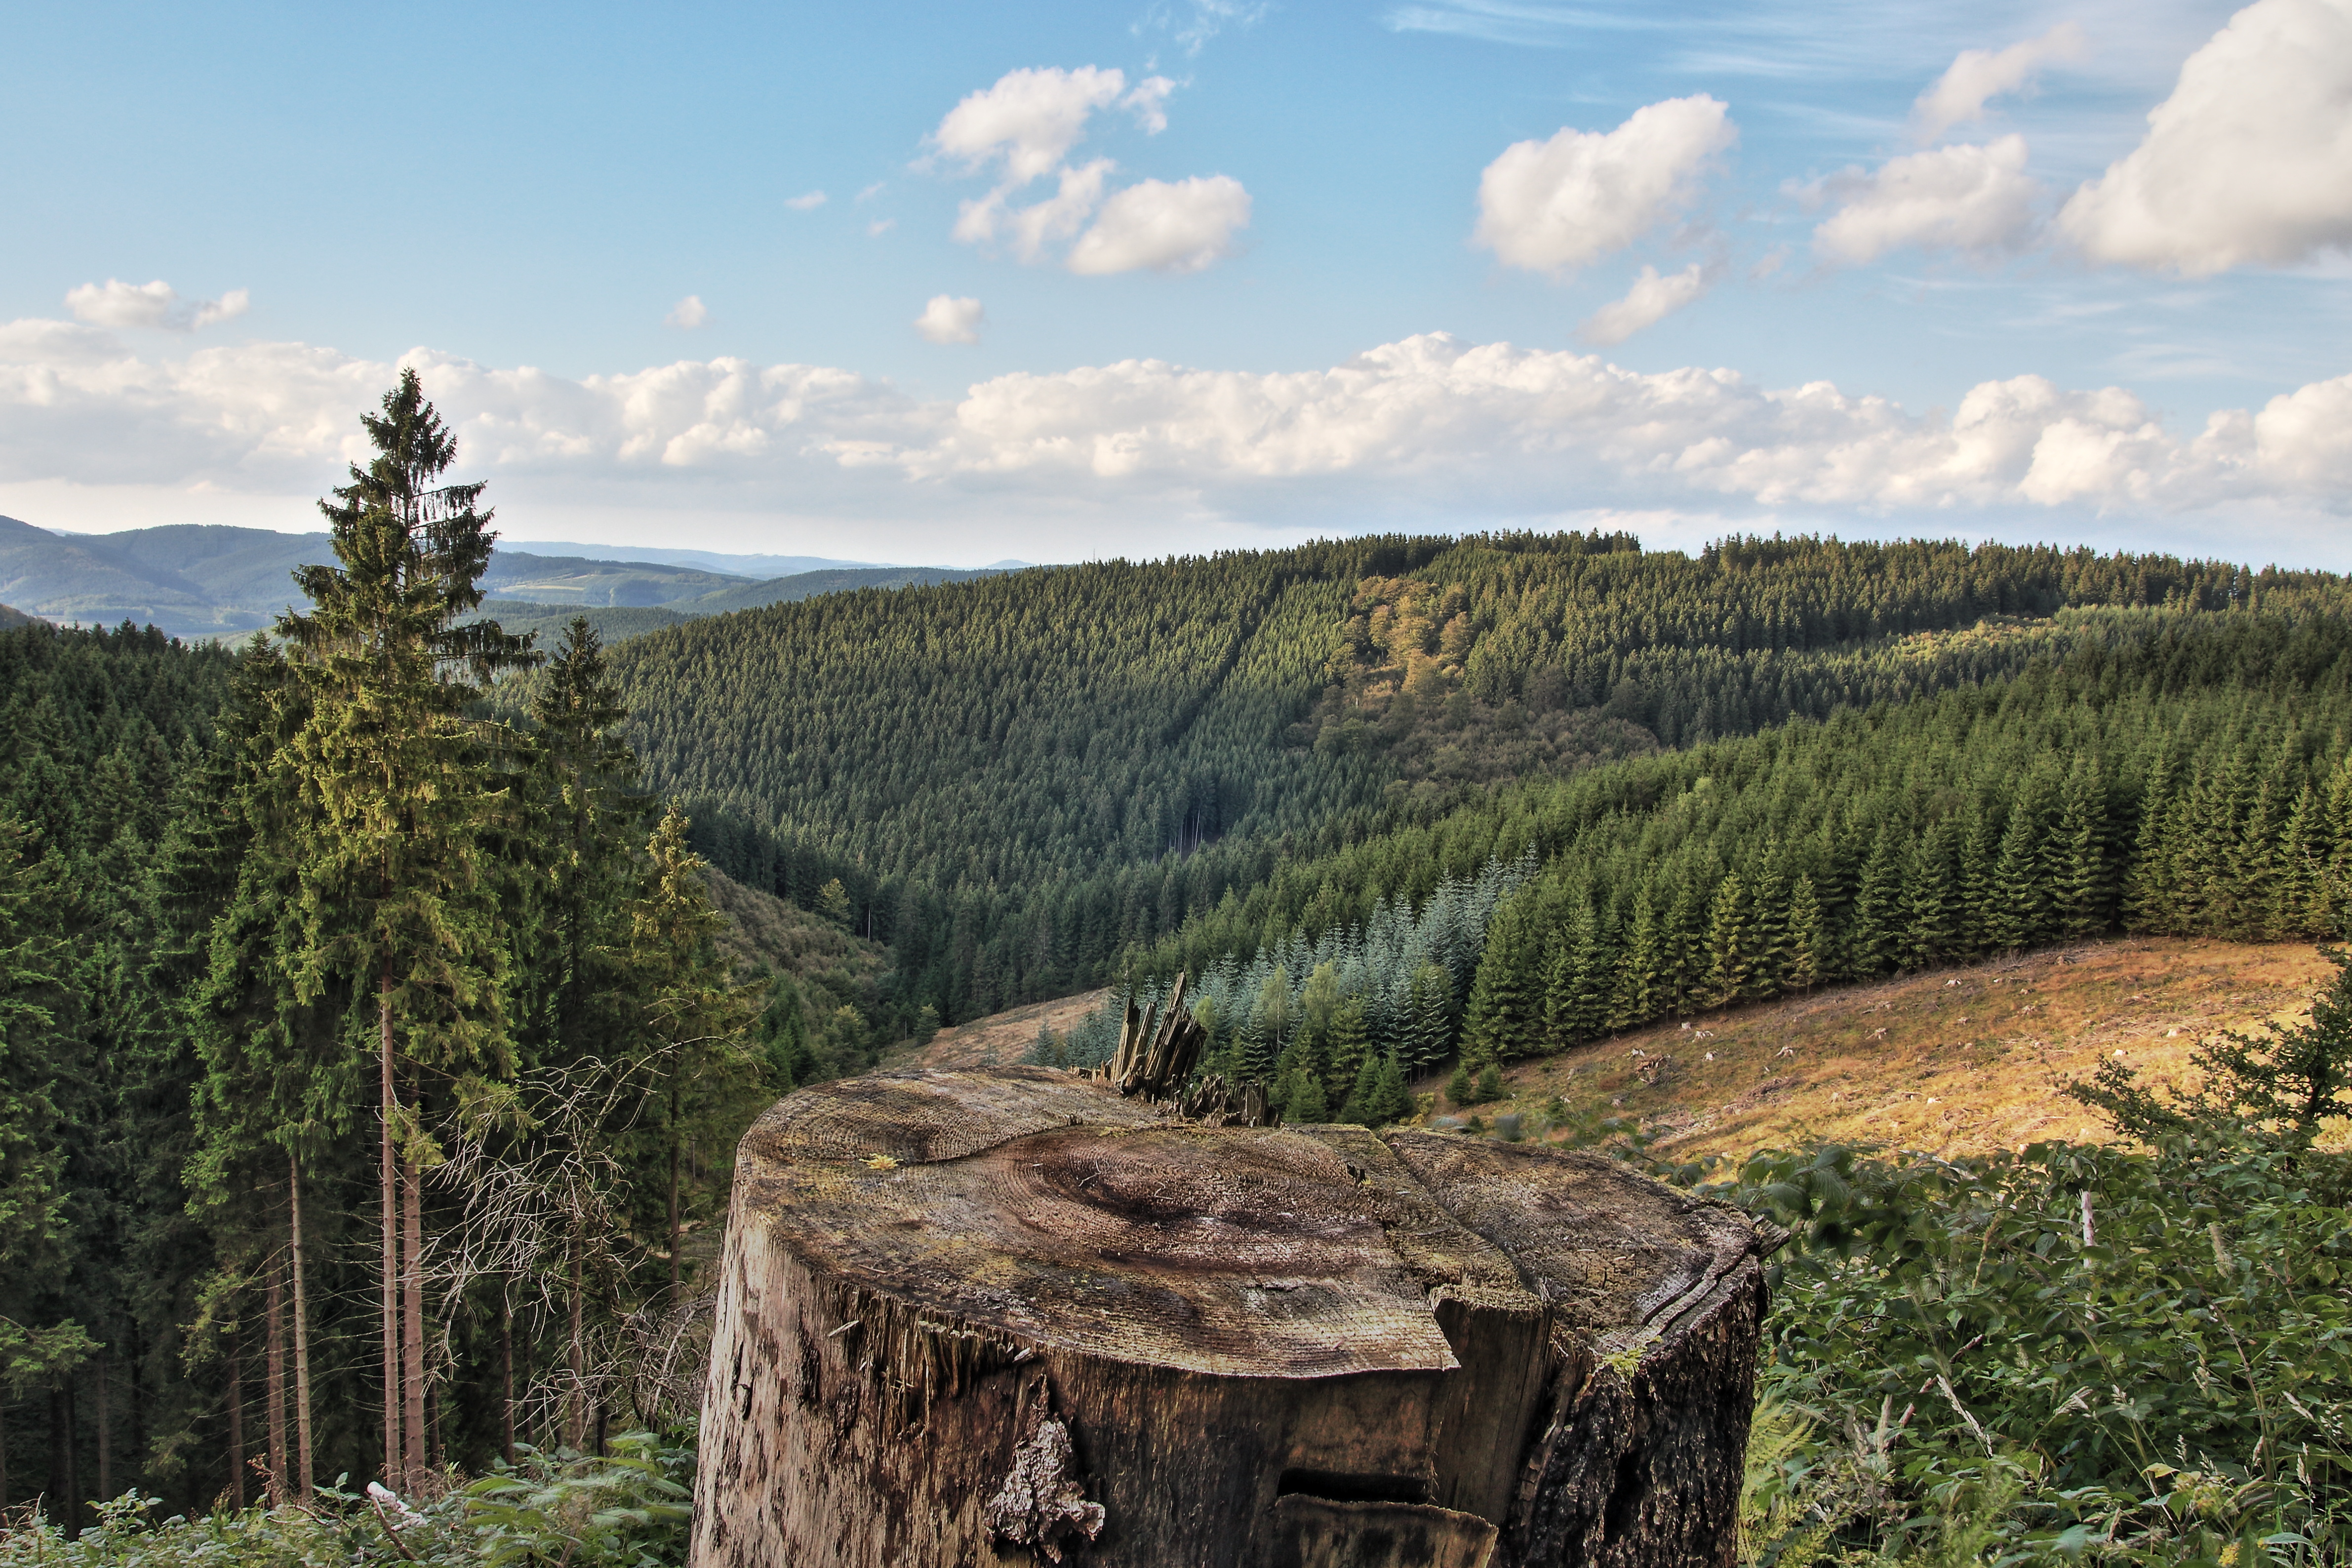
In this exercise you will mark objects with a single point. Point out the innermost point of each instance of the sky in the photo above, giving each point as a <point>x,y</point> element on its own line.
<point>947,283</point>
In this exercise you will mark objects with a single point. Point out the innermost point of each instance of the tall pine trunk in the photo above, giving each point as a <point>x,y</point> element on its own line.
<point>673,1188</point>
<point>412,1328</point>
<point>388,1173</point>
<point>105,1432</point>
<point>274,1329</point>
<point>505,1381</point>
<point>302,1335</point>
<point>236,1424</point>
<point>575,1408</point>
<point>62,1482</point>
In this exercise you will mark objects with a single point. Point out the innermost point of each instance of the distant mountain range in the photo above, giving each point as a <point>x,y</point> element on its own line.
<point>199,582</point>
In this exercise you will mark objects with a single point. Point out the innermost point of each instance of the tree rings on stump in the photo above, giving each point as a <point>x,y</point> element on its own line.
<point>998,1317</point>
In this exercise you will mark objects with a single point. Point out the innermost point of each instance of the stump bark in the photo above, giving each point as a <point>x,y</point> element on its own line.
<point>1010,1316</point>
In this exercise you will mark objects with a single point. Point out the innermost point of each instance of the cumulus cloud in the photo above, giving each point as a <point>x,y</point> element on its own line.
<point>1979,76</point>
<point>948,320</point>
<point>690,313</point>
<point>1962,198</point>
<point>1182,227</point>
<point>1148,103</point>
<point>2250,160</point>
<point>1034,230</point>
<point>115,303</point>
<point>1650,300</point>
<point>1556,206</point>
<point>1027,124</point>
<point>1476,430</point>
<point>806,202</point>
<point>1028,121</point>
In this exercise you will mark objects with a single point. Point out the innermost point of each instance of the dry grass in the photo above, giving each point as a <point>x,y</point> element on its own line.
<point>1953,1061</point>
<point>1000,1039</point>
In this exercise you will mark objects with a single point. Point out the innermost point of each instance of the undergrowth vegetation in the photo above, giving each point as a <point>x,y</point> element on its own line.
<point>2131,1355</point>
<point>626,1509</point>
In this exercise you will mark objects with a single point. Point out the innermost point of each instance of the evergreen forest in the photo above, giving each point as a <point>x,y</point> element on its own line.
<point>381,1000</point>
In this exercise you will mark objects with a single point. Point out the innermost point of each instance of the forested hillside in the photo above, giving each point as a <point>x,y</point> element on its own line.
<point>2178,775</point>
<point>367,1063</point>
<point>1018,781</point>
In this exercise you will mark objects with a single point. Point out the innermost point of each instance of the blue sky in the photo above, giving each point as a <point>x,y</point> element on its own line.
<point>523,201</point>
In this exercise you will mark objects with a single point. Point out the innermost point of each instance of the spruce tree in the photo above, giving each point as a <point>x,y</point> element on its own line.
<point>1429,1019</point>
<point>1390,1099</point>
<point>1806,938</point>
<point>692,1017</point>
<point>2083,892</point>
<point>38,1343</point>
<point>396,794</point>
<point>1730,944</point>
<point>1364,1096</point>
<point>1874,942</point>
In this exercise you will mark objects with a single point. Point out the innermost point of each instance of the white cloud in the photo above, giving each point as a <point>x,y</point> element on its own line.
<point>688,314</point>
<point>1978,76</point>
<point>1195,24</point>
<point>1148,103</point>
<point>1028,121</point>
<point>2250,160</point>
<point>875,189</point>
<point>1553,206</point>
<point>1962,198</point>
<point>807,201</point>
<point>880,226</point>
<point>1650,300</point>
<point>1427,427</point>
<point>948,320</point>
<point>1040,225</point>
<point>115,303</point>
<point>1182,227</point>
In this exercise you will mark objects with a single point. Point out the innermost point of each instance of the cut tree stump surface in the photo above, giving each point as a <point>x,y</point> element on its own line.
<point>974,1316</point>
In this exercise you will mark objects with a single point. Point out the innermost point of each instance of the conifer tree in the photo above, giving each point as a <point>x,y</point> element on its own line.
<point>1429,1019</point>
<point>1873,943</point>
<point>1505,998</point>
<point>1358,1108</point>
<point>2083,889</point>
<point>1730,944</point>
<point>35,1229</point>
<point>396,795</point>
<point>1806,938</point>
<point>693,1018</point>
<point>1348,1042</point>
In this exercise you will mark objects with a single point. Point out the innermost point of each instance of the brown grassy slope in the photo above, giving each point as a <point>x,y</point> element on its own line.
<point>1000,1039</point>
<point>1953,1061</point>
<point>763,929</point>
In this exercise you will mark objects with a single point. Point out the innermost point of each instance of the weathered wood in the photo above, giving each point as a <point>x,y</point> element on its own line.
<point>976,1318</point>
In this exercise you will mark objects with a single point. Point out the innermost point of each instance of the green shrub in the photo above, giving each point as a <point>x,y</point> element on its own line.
<point>626,1509</point>
<point>2143,1357</point>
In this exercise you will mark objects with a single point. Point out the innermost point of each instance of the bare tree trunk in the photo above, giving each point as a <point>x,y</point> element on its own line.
<point>105,1434</point>
<point>672,1186</point>
<point>388,1173</point>
<point>971,1317</point>
<point>63,1484</point>
<point>575,1405</point>
<point>274,1329</point>
<point>236,1422</point>
<point>506,1379</point>
<point>411,1352</point>
<point>301,1334</point>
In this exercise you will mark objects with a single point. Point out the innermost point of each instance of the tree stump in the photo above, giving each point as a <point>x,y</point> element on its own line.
<point>999,1316</point>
